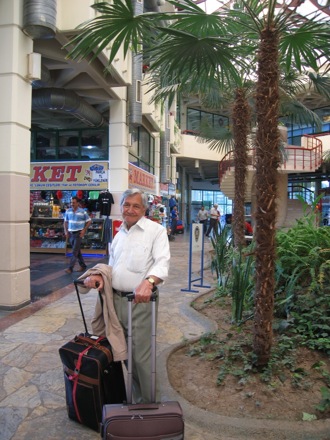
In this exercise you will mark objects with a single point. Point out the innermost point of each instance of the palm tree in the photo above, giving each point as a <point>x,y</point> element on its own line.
<point>223,139</point>
<point>192,44</point>
<point>211,54</point>
<point>283,35</point>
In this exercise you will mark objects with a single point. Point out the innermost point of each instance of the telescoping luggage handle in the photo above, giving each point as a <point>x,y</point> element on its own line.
<point>130,299</point>
<point>81,283</point>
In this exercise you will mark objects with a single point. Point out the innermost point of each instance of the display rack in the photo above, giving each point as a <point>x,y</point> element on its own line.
<point>47,235</point>
<point>92,243</point>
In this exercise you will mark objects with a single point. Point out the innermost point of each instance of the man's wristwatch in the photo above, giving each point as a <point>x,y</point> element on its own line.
<point>152,282</point>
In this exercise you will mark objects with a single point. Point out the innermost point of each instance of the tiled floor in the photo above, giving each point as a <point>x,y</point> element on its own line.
<point>48,272</point>
<point>32,393</point>
<point>48,277</point>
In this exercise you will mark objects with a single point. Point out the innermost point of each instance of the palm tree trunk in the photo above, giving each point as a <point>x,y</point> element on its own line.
<point>267,162</point>
<point>241,123</point>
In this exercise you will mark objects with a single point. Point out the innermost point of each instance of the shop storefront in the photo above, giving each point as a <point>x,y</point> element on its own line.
<point>158,200</point>
<point>51,188</point>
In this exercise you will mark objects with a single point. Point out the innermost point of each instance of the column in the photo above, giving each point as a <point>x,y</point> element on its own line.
<point>15,122</point>
<point>119,150</point>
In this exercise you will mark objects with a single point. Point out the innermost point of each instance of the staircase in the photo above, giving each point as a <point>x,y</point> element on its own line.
<point>227,185</point>
<point>295,159</point>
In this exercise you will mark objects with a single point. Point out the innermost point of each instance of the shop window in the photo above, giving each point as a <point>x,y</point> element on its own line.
<point>195,117</point>
<point>89,144</point>
<point>94,145</point>
<point>45,146</point>
<point>134,149</point>
<point>68,145</point>
<point>142,152</point>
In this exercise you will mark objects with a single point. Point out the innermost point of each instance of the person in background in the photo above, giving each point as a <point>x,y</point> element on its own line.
<point>162,215</point>
<point>214,220</point>
<point>76,223</point>
<point>248,228</point>
<point>172,203</point>
<point>202,217</point>
<point>139,259</point>
<point>174,220</point>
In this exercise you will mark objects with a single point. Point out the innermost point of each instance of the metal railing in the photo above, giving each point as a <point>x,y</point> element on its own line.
<point>306,158</point>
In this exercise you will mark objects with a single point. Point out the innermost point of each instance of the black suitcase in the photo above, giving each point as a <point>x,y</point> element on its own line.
<point>91,377</point>
<point>152,421</point>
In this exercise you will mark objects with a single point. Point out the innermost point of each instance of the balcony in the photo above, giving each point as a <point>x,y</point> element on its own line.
<point>307,158</point>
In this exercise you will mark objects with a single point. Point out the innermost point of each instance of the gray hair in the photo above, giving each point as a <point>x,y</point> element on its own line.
<point>131,192</point>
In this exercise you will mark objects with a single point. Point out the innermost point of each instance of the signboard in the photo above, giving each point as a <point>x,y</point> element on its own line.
<point>163,189</point>
<point>138,178</point>
<point>171,189</point>
<point>197,237</point>
<point>69,175</point>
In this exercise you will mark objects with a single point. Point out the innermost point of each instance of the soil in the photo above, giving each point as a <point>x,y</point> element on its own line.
<point>287,396</point>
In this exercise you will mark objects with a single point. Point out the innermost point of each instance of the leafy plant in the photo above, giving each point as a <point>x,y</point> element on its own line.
<point>222,244</point>
<point>242,286</point>
<point>324,405</point>
<point>302,281</point>
<point>235,271</point>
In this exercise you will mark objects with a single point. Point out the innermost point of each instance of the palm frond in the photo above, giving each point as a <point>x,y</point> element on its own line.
<point>117,25</point>
<point>298,112</point>
<point>219,139</point>
<point>321,83</point>
<point>304,43</point>
<point>195,59</point>
<point>326,156</point>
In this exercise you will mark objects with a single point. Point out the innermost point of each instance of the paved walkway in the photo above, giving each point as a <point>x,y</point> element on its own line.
<point>32,399</point>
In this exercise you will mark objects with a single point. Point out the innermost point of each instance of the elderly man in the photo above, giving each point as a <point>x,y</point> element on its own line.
<point>139,259</point>
<point>214,220</point>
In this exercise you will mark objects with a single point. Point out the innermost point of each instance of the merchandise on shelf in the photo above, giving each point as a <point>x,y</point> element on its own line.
<point>93,239</point>
<point>47,234</point>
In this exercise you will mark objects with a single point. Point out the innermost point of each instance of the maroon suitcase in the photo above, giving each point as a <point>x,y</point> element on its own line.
<point>152,421</point>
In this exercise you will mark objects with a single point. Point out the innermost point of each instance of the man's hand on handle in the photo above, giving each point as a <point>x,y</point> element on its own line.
<point>94,282</point>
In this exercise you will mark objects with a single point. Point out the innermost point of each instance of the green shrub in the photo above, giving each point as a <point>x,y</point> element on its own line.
<point>303,282</point>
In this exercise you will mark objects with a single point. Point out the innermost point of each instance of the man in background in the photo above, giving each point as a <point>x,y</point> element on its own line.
<point>202,216</point>
<point>214,220</point>
<point>76,223</point>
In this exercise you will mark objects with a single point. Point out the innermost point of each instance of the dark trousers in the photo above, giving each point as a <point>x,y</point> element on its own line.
<point>204,223</point>
<point>75,241</point>
<point>213,225</point>
<point>173,225</point>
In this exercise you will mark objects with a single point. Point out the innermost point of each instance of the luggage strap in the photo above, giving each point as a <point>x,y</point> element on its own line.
<point>75,375</point>
<point>95,344</point>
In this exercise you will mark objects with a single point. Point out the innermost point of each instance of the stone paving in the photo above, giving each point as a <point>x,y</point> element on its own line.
<point>32,399</point>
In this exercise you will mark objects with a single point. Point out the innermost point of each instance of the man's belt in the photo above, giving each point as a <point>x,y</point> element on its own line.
<point>75,232</point>
<point>122,294</point>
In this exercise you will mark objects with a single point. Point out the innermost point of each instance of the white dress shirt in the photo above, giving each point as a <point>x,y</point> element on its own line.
<point>214,213</point>
<point>136,253</point>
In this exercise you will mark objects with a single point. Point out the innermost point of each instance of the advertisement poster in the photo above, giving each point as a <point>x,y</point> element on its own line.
<point>69,175</point>
<point>197,237</point>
